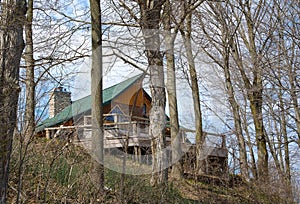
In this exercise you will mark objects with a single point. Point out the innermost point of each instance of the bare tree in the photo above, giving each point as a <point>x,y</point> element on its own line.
<point>186,33</point>
<point>219,52</point>
<point>38,68</point>
<point>29,127</point>
<point>12,18</point>
<point>169,37</point>
<point>249,22</point>
<point>288,43</point>
<point>96,93</point>
<point>280,104</point>
<point>30,84</point>
<point>150,12</point>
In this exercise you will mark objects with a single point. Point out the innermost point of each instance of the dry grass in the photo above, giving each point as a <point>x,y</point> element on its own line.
<point>56,171</point>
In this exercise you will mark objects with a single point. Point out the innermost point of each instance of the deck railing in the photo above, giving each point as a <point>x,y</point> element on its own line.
<point>117,126</point>
<point>126,125</point>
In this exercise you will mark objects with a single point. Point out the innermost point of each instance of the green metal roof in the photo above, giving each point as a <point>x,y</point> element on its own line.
<point>84,104</point>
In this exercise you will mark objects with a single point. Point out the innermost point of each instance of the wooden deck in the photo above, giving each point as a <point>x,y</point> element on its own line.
<point>116,134</point>
<point>133,133</point>
<point>119,134</point>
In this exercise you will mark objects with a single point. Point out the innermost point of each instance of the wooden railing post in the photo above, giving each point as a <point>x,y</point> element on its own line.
<point>48,136</point>
<point>223,141</point>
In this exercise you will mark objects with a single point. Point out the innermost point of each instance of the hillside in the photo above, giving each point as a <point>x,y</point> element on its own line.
<point>56,171</point>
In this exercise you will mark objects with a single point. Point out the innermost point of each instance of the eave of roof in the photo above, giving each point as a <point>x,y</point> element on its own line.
<point>84,104</point>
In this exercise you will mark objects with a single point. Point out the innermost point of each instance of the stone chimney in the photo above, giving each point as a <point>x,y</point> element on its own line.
<point>59,99</point>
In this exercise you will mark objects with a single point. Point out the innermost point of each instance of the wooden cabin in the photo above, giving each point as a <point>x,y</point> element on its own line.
<point>126,111</point>
<point>126,108</point>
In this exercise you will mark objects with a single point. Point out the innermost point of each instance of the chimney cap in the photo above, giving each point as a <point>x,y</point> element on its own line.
<point>60,89</point>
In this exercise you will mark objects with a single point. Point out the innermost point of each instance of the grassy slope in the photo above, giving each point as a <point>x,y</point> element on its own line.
<point>57,172</point>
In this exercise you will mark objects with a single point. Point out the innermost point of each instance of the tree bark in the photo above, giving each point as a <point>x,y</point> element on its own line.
<point>30,84</point>
<point>255,92</point>
<point>169,37</point>
<point>150,20</point>
<point>29,125</point>
<point>96,94</point>
<point>237,120</point>
<point>249,143</point>
<point>286,59</point>
<point>186,34</point>
<point>11,47</point>
<point>293,87</point>
<point>227,36</point>
<point>254,95</point>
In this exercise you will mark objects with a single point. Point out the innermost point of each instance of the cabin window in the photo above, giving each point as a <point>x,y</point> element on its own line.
<point>144,109</point>
<point>116,112</point>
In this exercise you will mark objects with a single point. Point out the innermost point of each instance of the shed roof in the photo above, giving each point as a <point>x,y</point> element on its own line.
<point>84,104</point>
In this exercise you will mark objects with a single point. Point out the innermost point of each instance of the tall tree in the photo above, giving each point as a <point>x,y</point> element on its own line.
<point>289,46</point>
<point>29,127</point>
<point>222,47</point>
<point>11,47</point>
<point>150,12</point>
<point>169,37</point>
<point>288,58</point>
<point>96,94</point>
<point>248,58</point>
<point>281,99</point>
<point>30,84</point>
<point>186,32</point>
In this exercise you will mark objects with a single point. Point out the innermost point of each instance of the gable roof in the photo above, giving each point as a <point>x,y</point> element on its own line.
<point>84,104</point>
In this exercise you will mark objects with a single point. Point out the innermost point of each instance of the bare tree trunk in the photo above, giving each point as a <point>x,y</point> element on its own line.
<point>28,129</point>
<point>227,36</point>
<point>254,84</point>
<point>293,91</point>
<point>186,34</point>
<point>96,93</point>
<point>177,169</point>
<point>254,95</point>
<point>292,75</point>
<point>30,85</point>
<point>11,47</point>
<point>254,92</point>
<point>255,98</point>
<point>237,121</point>
<point>150,21</point>
<point>275,157</point>
<point>287,44</point>
<point>250,145</point>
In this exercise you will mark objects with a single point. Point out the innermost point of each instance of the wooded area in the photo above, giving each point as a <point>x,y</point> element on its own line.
<point>242,55</point>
